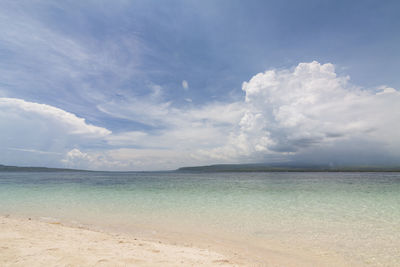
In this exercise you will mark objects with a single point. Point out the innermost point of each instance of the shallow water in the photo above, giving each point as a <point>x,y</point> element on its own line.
<point>355,215</point>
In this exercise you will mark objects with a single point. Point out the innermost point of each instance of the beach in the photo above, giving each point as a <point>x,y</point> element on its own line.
<point>34,243</point>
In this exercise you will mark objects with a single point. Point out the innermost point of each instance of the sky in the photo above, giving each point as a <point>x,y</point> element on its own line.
<point>157,85</point>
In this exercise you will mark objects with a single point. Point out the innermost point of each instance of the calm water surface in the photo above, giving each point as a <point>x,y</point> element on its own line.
<point>356,215</point>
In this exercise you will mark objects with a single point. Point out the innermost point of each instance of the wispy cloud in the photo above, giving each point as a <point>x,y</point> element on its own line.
<point>34,151</point>
<point>284,114</point>
<point>42,62</point>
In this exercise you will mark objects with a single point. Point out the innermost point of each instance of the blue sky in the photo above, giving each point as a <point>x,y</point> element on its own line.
<point>146,85</point>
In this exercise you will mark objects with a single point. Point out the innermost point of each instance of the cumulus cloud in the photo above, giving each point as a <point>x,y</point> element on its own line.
<point>43,131</point>
<point>291,111</point>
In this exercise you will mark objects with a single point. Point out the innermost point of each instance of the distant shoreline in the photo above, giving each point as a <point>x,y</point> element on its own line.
<point>264,168</point>
<point>223,168</point>
<point>5,168</point>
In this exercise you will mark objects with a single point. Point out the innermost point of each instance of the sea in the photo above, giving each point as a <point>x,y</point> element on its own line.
<point>351,215</point>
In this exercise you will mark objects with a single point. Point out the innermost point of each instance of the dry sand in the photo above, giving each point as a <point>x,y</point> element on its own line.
<point>36,243</point>
<point>26,242</point>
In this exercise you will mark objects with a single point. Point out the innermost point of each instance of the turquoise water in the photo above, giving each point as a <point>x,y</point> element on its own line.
<point>355,215</point>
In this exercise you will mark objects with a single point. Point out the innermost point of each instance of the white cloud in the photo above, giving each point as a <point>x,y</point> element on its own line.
<point>71,124</point>
<point>185,85</point>
<point>302,112</point>
<point>33,151</point>
<point>93,160</point>
<point>290,111</point>
<point>183,131</point>
<point>307,113</point>
<point>43,130</point>
<point>162,114</point>
<point>129,159</point>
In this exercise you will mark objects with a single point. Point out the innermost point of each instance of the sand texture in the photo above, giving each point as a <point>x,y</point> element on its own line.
<point>36,243</point>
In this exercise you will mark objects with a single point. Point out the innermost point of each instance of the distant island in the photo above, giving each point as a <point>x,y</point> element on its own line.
<point>286,168</point>
<point>258,167</point>
<point>5,168</point>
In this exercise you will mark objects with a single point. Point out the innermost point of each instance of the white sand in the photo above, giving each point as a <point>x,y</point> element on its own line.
<point>26,242</point>
<point>35,243</point>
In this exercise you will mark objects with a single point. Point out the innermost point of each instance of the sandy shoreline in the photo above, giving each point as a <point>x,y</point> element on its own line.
<point>35,243</point>
<point>32,242</point>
